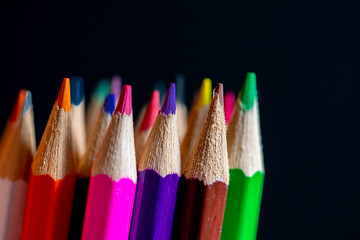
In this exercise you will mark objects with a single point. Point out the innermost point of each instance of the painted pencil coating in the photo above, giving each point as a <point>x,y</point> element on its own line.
<point>158,176</point>
<point>48,207</point>
<point>113,219</point>
<point>153,216</point>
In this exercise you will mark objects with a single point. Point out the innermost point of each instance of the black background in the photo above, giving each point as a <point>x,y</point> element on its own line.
<point>305,56</point>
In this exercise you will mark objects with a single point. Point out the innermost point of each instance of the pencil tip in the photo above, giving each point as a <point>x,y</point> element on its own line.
<point>109,104</point>
<point>169,105</point>
<point>220,91</point>
<point>204,95</point>
<point>180,87</point>
<point>151,111</point>
<point>28,102</point>
<point>248,92</point>
<point>125,102</point>
<point>63,99</point>
<point>77,90</point>
<point>116,83</point>
<point>229,101</point>
<point>18,105</point>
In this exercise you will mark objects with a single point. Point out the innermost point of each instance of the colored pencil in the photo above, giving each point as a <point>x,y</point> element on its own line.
<point>52,176</point>
<point>143,132</point>
<point>158,176</point>
<point>97,99</point>
<point>140,117</point>
<point>229,102</point>
<point>17,150</point>
<point>78,116</point>
<point>116,84</point>
<point>246,166</point>
<point>182,112</point>
<point>207,177</point>
<point>113,178</point>
<point>84,167</point>
<point>196,119</point>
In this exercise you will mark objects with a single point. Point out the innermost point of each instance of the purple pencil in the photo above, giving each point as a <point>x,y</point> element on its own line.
<point>158,176</point>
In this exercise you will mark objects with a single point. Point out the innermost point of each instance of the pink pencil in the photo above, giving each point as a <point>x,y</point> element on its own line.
<point>113,178</point>
<point>229,102</point>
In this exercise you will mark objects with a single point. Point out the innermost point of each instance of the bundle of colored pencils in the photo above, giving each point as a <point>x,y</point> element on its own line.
<point>96,176</point>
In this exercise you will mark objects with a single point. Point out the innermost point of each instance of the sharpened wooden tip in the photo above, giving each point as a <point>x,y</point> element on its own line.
<point>220,91</point>
<point>64,100</point>
<point>18,106</point>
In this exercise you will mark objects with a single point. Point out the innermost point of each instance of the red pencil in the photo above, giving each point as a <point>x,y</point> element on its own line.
<point>52,176</point>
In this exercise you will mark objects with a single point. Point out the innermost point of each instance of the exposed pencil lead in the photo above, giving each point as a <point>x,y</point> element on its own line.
<point>116,83</point>
<point>102,89</point>
<point>180,87</point>
<point>204,94</point>
<point>77,89</point>
<point>248,93</point>
<point>28,102</point>
<point>109,104</point>
<point>18,105</point>
<point>151,111</point>
<point>63,100</point>
<point>125,101</point>
<point>169,105</point>
<point>220,91</point>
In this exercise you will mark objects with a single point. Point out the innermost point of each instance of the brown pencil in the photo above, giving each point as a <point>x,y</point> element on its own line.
<point>207,177</point>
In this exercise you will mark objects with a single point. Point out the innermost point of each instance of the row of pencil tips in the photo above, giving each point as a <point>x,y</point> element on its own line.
<point>174,175</point>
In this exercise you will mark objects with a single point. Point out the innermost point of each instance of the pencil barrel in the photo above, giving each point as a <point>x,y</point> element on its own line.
<point>109,208</point>
<point>48,207</point>
<point>203,211</point>
<point>242,206</point>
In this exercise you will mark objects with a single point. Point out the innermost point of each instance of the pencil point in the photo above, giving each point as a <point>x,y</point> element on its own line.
<point>151,111</point>
<point>180,87</point>
<point>204,95</point>
<point>18,105</point>
<point>109,104</point>
<point>248,92</point>
<point>63,99</point>
<point>116,86</point>
<point>76,89</point>
<point>125,101</point>
<point>28,102</point>
<point>169,105</point>
<point>220,91</point>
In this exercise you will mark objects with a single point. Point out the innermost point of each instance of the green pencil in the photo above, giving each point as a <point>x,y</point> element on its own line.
<point>246,166</point>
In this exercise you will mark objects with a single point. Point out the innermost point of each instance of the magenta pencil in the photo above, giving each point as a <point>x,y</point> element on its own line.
<point>229,103</point>
<point>113,178</point>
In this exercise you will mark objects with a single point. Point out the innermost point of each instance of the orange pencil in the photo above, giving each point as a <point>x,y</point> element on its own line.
<point>52,176</point>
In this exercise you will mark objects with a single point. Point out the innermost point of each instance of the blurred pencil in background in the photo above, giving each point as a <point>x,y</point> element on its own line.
<point>142,134</point>
<point>182,113</point>
<point>52,176</point>
<point>207,177</point>
<point>17,149</point>
<point>158,176</point>
<point>97,99</point>
<point>113,178</point>
<point>246,166</point>
<point>229,102</point>
<point>196,118</point>
<point>116,85</point>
